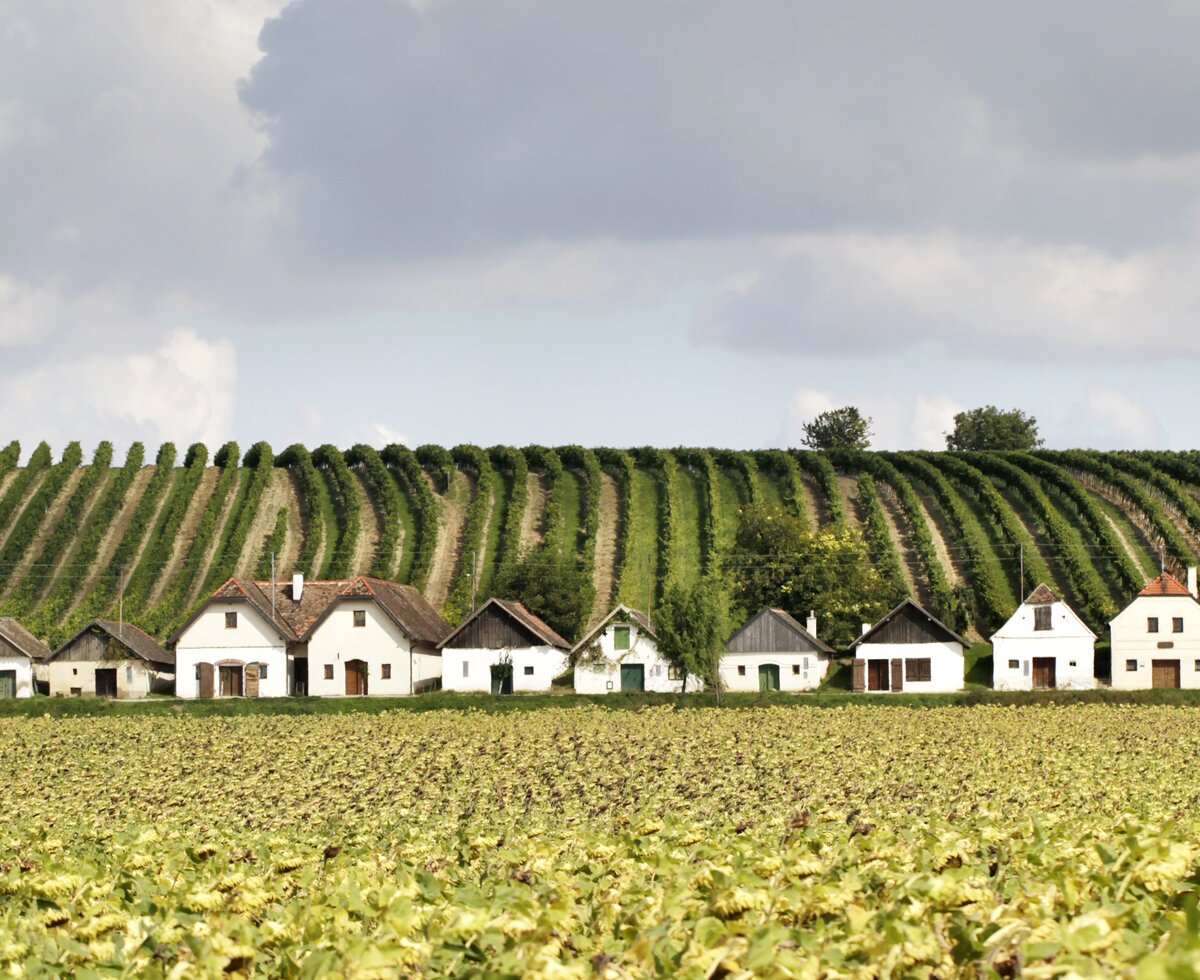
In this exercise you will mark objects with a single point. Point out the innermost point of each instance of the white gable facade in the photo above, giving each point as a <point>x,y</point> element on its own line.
<point>16,673</point>
<point>1043,646</point>
<point>224,639</point>
<point>621,654</point>
<point>502,649</point>
<point>359,649</point>
<point>773,652</point>
<point>911,651</point>
<point>1156,639</point>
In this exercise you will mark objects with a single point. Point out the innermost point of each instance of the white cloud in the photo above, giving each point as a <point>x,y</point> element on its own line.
<point>386,436</point>
<point>28,313</point>
<point>1117,420</point>
<point>183,392</point>
<point>895,423</point>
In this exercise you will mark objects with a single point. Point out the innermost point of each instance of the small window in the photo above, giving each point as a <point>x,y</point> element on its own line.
<point>466,668</point>
<point>918,669</point>
<point>1041,617</point>
<point>1025,667</point>
<point>620,637</point>
<point>360,617</point>
<point>386,672</point>
<point>231,620</point>
<point>1177,624</point>
<point>1152,624</point>
<point>741,670</point>
<point>795,668</point>
<point>262,672</point>
<point>1197,667</point>
<point>528,671</point>
<point>329,672</point>
<point>674,674</point>
<point>1072,663</point>
<point>1131,665</point>
<point>128,675</point>
<point>1014,665</point>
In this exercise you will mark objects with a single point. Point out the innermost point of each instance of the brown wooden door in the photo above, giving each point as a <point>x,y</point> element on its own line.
<point>858,675</point>
<point>251,680</point>
<point>206,680</point>
<point>356,678</point>
<point>231,681</point>
<point>877,675</point>
<point>1164,673</point>
<point>897,675</point>
<point>106,682</point>
<point>1044,673</point>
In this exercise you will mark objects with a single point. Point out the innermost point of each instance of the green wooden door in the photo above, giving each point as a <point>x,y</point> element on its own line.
<point>768,677</point>
<point>8,683</point>
<point>633,677</point>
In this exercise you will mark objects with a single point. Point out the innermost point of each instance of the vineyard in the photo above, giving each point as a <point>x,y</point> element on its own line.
<point>578,842</point>
<point>152,535</point>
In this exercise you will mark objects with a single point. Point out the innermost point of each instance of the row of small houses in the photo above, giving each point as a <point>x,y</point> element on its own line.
<point>368,636</point>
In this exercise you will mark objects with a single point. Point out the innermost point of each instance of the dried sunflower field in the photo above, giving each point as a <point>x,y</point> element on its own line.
<point>783,841</point>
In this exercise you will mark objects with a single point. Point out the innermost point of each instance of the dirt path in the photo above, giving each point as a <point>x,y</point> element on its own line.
<point>604,570</point>
<point>1139,520</point>
<point>368,529</point>
<point>451,519</point>
<point>49,523</point>
<point>848,488</point>
<point>280,492</point>
<point>98,493</point>
<point>817,514</point>
<point>534,517</point>
<point>223,520</point>
<point>938,533</point>
<point>116,530</point>
<point>32,489</point>
<point>186,537</point>
<point>1125,543</point>
<point>901,535</point>
<point>112,539</point>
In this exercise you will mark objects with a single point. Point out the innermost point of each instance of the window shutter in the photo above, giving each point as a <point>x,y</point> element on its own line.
<point>858,676</point>
<point>897,674</point>
<point>251,680</point>
<point>206,680</point>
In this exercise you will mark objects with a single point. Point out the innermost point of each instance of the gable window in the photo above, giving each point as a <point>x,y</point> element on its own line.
<point>620,637</point>
<point>329,672</point>
<point>1014,664</point>
<point>795,668</point>
<point>385,671</point>
<point>528,671</point>
<point>1041,617</point>
<point>360,617</point>
<point>231,620</point>
<point>1177,624</point>
<point>1131,665</point>
<point>1152,624</point>
<point>918,669</point>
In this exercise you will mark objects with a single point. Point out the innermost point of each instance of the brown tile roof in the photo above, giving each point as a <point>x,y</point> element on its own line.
<point>624,612</point>
<point>517,611</point>
<point>1165,584</point>
<point>296,620</point>
<point>18,636</point>
<point>138,643</point>
<point>1041,596</point>
<point>908,603</point>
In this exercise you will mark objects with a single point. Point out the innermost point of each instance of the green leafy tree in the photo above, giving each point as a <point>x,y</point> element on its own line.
<point>993,428</point>
<point>776,561</point>
<point>839,428</point>
<point>692,623</point>
<point>557,591</point>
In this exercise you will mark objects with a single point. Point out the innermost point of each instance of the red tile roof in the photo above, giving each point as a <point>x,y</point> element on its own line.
<point>1165,584</point>
<point>1041,596</point>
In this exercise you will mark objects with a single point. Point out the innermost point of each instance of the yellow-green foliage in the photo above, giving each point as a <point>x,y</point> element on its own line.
<point>577,842</point>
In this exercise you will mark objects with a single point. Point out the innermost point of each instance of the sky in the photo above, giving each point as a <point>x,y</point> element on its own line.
<point>606,222</point>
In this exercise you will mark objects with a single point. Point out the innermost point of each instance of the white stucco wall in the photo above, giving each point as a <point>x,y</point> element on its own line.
<point>1068,641</point>
<point>134,677</point>
<point>546,662</point>
<point>592,678</point>
<point>207,640</point>
<point>379,642</point>
<point>23,668</point>
<point>1132,641</point>
<point>946,668</point>
<point>797,671</point>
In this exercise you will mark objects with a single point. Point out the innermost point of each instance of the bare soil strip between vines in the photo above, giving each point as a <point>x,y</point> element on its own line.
<point>848,488</point>
<point>30,492</point>
<point>604,570</point>
<point>534,519</point>
<point>98,493</point>
<point>368,528</point>
<point>1138,519</point>
<point>210,555</point>
<point>186,535</point>
<point>901,540</point>
<point>938,532</point>
<point>451,521</point>
<point>279,492</point>
<point>1125,543</point>
<point>816,513</point>
<point>49,522</point>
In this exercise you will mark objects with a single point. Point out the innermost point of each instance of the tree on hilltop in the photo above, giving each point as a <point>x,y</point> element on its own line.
<point>991,428</point>
<point>839,428</point>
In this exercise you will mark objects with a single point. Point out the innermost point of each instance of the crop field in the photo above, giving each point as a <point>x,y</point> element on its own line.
<point>579,842</point>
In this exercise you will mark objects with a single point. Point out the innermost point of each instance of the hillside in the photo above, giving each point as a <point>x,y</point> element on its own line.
<point>152,536</point>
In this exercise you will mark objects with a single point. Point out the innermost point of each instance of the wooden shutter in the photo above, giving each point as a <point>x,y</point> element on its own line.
<point>206,680</point>
<point>858,676</point>
<point>897,674</point>
<point>251,680</point>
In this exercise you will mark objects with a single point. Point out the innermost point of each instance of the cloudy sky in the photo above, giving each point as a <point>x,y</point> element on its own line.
<point>598,221</point>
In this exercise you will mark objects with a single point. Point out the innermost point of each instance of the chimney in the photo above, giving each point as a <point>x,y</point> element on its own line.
<point>866,629</point>
<point>297,586</point>
<point>1192,580</point>
<point>812,622</point>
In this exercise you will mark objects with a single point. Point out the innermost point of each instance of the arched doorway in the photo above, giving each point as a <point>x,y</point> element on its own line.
<point>356,678</point>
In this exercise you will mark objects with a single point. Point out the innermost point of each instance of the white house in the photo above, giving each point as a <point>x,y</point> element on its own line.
<point>773,652</point>
<point>329,638</point>
<point>502,648</point>
<point>909,650</point>
<point>108,659</point>
<point>1043,646</point>
<point>22,657</point>
<point>1156,638</point>
<point>621,654</point>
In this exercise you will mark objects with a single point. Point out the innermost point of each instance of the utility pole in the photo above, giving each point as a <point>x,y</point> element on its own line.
<point>649,590</point>
<point>1021,597</point>
<point>121,604</point>
<point>474,577</point>
<point>272,586</point>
